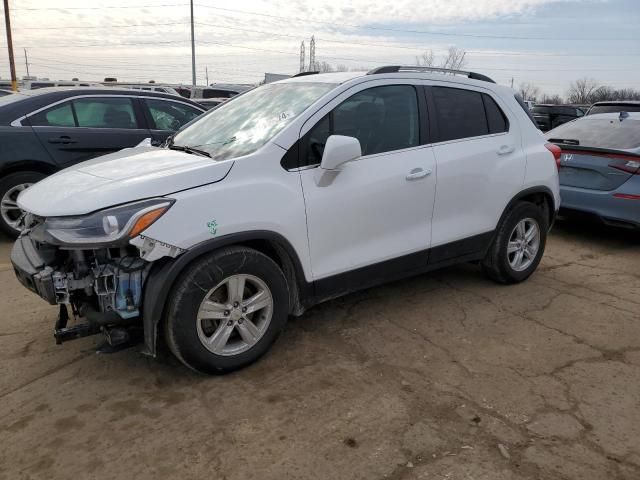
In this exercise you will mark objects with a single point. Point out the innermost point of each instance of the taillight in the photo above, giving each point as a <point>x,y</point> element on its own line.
<point>557,152</point>
<point>626,165</point>
<point>627,196</point>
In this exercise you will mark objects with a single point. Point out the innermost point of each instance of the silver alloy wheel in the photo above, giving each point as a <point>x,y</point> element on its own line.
<point>234,315</point>
<point>9,209</point>
<point>524,243</point>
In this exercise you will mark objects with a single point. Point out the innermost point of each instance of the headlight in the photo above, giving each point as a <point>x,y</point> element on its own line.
<point>112,226</point>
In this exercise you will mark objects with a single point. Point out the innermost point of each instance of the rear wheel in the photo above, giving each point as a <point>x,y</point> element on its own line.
<point>10,187</point>
<point>519,244</point>
<point>226,310</point>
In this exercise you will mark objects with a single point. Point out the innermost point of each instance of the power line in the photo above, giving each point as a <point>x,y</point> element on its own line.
<point>412,47</point>
<point>153,68</point>
<point>390,61</point>
<point>85,27</point>
<point>334,24</point>
<point>398,30</point>
<point>342,42</point>
<point>103,7</point>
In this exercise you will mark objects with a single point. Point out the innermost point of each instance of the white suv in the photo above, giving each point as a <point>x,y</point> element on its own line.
<point>293,193</point>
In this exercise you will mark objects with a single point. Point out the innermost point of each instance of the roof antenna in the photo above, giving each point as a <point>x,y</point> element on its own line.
<point>623,115</point>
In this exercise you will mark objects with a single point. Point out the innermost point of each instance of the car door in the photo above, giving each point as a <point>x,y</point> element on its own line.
<point>480,166</point>
<point>377,208</point>
<point>166,116</point>
<point>89,126</point>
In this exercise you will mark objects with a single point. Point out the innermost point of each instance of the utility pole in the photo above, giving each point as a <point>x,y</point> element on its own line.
<point>302,55</point>
<point>511,82</point>
<point>193,48</point>
<point>12,64</point>
<point>312,54</point>
<point>206,74</point>
<point>26,61</point>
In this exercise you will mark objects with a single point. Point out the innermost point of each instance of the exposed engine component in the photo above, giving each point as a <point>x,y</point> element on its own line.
<point>109,280</point>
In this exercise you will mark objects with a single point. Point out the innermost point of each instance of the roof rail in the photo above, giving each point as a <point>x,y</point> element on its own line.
<point>304,74</point>
<point>401,68</point>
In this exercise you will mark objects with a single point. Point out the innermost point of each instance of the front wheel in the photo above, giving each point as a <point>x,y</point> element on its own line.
<point>519,244</point>
<point>226,310</point>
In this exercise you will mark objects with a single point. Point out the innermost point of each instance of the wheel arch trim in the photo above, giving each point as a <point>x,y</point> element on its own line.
<point>540,189</point>
<point>163,276</point>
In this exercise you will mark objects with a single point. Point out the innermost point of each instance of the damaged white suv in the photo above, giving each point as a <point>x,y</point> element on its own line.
<point>290,194</point>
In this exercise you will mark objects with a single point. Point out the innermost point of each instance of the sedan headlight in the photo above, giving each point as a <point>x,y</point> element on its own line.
<point>112,226</point>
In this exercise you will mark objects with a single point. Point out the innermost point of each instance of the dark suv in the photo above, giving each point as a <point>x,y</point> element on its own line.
<point>551,116</point>
<point>49,129</point>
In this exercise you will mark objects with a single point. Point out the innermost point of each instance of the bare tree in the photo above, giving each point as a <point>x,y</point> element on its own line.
<point>551,99</point>
<point>455,59</point>
<point>426,59</point>
<point>582,90</point>
<point>341,67</point>
<point>528,91</point>
<point>324,67</point>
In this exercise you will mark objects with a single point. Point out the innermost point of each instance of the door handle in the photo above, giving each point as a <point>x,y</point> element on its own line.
<point>505,149</point>
<point>418,173</point>
<point>63,139</point>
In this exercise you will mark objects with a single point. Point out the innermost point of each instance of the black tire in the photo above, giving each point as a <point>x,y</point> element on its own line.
<point>191,288</point>
<point>496,264</point>
<point>6,184</point>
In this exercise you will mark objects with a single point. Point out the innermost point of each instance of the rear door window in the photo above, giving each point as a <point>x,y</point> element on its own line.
<point>460,113</point>
<point>57,116</point>
<point>105,113</point>
<point>214,93</point>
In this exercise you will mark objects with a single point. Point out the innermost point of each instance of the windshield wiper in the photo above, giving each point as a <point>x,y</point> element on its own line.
<point>187,149</point>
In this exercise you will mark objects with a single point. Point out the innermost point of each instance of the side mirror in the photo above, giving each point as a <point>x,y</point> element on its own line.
<point>339,150</point>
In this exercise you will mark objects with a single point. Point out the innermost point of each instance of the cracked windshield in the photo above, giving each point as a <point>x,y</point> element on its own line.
<point>246,123</point>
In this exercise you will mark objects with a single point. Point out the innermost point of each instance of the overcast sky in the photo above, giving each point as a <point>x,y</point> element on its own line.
<point>546,42</point>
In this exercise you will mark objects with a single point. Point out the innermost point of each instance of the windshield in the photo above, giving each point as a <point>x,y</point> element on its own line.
<point>599,133</point>
<point>244,124</point>
<point>614,108</point>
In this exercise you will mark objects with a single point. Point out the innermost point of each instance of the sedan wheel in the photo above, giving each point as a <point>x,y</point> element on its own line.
<point>9,209</point>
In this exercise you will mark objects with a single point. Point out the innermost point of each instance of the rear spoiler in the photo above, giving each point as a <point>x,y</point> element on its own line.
<point>567,148</point>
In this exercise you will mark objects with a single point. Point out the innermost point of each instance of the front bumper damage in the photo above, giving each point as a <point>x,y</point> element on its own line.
<point>102,288</point>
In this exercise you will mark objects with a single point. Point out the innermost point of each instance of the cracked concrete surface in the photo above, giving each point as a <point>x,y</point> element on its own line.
<point>444,376</point>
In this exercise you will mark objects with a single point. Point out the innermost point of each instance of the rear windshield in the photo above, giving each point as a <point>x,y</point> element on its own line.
<point>599,132</point>
<point>541,109</point>
<point>11,98</point>
<point>614,108</point>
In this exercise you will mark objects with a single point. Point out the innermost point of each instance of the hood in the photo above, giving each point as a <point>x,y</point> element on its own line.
<point>128,175</point>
